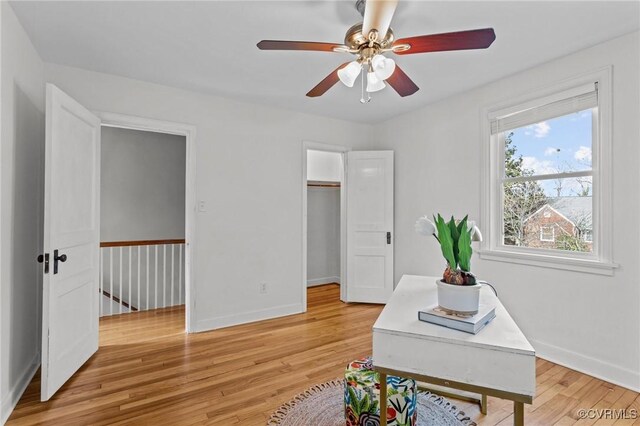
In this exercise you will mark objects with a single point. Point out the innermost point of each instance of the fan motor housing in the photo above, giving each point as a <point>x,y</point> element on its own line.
<point>355,39</point>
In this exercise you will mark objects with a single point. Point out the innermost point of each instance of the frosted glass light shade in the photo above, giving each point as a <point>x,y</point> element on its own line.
<point>383,67</point>
<point>374,84</point>
<point>348,74</point>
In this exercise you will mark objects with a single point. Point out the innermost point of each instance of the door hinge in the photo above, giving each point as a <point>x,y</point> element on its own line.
<point>388,237</point>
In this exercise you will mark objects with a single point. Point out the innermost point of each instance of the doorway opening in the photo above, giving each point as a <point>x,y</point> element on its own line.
<point>323,219</point>
<point>147,170</point>
<point>142,198</point>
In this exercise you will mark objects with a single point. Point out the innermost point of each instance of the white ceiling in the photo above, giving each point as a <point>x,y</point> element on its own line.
<point>211,46</point>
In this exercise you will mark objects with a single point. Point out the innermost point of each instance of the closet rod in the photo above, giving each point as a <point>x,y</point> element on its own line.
<point>322,184</point>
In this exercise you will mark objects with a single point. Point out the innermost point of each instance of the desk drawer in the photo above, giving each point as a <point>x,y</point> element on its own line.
<point>487,367</point>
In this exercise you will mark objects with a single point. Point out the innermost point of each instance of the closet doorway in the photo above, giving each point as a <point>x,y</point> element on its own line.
<point>323,217</point>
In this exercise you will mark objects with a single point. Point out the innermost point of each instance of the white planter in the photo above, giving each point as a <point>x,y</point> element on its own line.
<point>463,299</point>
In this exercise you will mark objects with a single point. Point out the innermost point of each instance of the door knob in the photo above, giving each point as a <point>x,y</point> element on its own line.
<point>62,258</point>
<point>44,258</point>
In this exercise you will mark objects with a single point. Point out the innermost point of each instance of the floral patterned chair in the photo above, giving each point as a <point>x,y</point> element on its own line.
<point>362,397</point>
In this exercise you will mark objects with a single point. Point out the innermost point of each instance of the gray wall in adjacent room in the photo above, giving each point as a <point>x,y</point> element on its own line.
<point>323,235</point>
<point>142,185</point>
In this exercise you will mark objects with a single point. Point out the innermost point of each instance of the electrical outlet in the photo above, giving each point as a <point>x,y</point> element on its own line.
<point>202,206</point>
<point>263,288</point>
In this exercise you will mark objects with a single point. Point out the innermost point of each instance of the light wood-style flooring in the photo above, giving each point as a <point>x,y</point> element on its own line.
<point>149,372</point>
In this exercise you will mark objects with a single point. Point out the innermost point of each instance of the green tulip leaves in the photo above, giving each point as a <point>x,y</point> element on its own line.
<point>455,242</point>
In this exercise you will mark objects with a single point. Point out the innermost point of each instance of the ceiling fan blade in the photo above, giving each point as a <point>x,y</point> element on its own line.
<point>297,45</point>
<point>460,40</point>
<point>326,84</point>
<point>377,16</point>
<point>402,83</point>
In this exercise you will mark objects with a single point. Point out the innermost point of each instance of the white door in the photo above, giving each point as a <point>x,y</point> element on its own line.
<point>369,226</point>
<point>71,239</point>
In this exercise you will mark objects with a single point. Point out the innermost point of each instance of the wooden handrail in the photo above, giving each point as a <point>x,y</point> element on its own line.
<point>140,243</point>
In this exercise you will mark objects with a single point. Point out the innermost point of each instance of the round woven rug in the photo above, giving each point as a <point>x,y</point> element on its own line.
<point>323,405</point>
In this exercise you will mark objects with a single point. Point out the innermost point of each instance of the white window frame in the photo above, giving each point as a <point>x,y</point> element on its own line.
<point>553,233</point>
<point>599,261</point>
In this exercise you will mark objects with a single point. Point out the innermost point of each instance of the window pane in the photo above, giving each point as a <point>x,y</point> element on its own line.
<point>559,145</point>
<point>536,216</point>
<point>547,233</point>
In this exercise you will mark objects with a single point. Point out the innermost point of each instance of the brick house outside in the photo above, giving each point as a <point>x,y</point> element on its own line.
<point>561,217</point>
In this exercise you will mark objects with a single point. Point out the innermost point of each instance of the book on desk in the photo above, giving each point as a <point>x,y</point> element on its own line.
<point>469,324</point>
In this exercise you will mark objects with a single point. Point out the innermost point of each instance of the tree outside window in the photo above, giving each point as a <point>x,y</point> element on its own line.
<point>547,184</point>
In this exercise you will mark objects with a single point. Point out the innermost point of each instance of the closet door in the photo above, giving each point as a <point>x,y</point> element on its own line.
<point>369,226</point>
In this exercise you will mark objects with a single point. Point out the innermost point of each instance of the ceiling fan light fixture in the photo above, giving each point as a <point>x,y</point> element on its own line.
<point>383,67</point>
<point>374,84</point>
<point>348,74</point>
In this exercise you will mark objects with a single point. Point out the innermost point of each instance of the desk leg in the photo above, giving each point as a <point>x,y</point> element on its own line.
<point>483,404</point>
<point>383,399</point>
<point>518,413</point>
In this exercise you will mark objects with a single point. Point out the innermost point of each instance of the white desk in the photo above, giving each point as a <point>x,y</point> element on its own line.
<point>498,361</point>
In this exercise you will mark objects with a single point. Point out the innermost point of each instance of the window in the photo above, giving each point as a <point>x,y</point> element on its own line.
<point>547,233</point>
<point>547,171</point>
<point>547,178</point>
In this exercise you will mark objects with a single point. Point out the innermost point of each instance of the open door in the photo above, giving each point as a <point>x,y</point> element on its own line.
<point>369,226</point>
<point>71,239</point>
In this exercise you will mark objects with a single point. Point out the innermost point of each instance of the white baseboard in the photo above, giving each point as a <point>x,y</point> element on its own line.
<point>593,367</point>
<point>16,391</point>
<point>321,281</point>
<point>246,317</point>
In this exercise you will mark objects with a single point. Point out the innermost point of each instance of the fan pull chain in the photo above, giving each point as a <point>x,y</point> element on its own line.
<point>364,100</point>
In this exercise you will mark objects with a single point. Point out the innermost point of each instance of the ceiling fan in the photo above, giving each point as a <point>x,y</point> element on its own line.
<point>373,38</point>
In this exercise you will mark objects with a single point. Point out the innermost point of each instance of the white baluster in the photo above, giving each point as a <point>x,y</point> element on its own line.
<point>180,274</point>
<point>120,280</point>
<point>138,298</point>
<point>164,275</point>
<point>172,262</point>
<point>110,280</point>
<point>155,305</point>
<point>148,279</point>
<point>101,278</point>
<point>129,298</point>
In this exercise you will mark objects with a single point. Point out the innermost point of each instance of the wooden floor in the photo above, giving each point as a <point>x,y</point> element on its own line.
<point>149,372</point>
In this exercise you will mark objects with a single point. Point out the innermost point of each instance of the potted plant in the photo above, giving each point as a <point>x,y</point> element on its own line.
<point>458,290</point>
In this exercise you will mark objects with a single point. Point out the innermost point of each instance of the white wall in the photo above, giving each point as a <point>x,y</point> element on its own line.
<point>21,155</point>
<point>142,185</point>
<point>248,173</point>
<point>588,322</point>
<point>323,235</point>
<point>324,166</point>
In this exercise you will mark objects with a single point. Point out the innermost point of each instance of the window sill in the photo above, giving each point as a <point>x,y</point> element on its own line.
<point>550,261</point>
